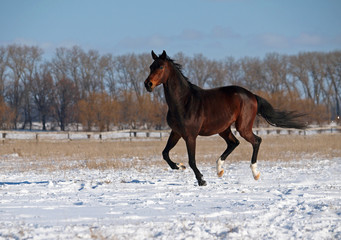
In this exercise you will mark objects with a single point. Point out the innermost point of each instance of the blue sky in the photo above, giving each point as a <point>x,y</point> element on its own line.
<point>215,28</point>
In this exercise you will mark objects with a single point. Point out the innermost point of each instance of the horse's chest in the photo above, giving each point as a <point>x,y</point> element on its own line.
<point>183,124</point>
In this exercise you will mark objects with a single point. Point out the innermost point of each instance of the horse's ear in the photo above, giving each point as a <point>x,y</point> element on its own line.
<point>163,55</point>
<point>154,55</point>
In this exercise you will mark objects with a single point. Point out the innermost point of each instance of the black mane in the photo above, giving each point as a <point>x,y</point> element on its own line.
<point>178,67</point>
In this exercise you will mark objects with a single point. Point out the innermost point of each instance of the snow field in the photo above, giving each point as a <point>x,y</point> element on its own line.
<point>298,199</point>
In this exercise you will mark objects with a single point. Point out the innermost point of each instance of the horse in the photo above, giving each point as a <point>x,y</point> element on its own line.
<point>193,111</point>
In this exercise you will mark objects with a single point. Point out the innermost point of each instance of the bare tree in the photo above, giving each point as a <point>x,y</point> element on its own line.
<point>129,109</point>
<point>131,69</point>
<point>59,64</point>
<point>110,77</point>
<point>66,64</point>
<point>233,71</point>
<point>22,61</point>
<point>200,70</point>
<point>3,68</point>
<point>15,91</point>
<point>315,66</point>
<point>275,73</point>
<point>32,62</point>
<point>90,73</point>
<point>252,74</point>
<point>42,89</point>
<point>64,101</point>
<point>333,69</point>
<point>300,74</point>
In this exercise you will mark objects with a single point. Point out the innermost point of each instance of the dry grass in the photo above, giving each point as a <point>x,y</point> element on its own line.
<point>103,155</point>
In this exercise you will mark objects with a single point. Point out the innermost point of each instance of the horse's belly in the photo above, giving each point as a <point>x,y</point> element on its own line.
<point>217,122</point>
<point>213,129</point>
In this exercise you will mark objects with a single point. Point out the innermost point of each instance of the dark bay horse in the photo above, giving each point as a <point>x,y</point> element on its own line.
<point>195,111</point>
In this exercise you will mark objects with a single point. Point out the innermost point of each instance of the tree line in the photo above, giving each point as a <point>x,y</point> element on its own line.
<point>78,88</point>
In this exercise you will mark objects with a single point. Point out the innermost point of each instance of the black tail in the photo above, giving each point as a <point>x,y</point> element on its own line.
<point>278,118</point>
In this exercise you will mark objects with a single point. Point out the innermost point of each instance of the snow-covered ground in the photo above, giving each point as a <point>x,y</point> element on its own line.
<point>299,199</point>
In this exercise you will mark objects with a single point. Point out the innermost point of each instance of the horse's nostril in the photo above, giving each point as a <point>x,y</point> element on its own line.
<point>150,84</point>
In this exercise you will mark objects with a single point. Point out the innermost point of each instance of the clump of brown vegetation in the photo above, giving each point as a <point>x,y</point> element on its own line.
<point>51,156</point>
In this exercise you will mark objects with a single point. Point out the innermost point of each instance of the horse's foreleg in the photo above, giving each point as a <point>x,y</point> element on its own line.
<point>220,170</point>
<point>232,142</point>
<point>172,141</point>
<point>190,143</point>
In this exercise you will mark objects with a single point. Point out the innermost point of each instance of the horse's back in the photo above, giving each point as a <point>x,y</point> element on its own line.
<point>227,95</point>
<point>234,89</point>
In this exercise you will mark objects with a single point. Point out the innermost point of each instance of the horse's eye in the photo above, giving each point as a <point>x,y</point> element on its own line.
<point>161,67</point>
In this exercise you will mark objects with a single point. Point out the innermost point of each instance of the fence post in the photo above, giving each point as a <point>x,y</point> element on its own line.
<point>3,138</point>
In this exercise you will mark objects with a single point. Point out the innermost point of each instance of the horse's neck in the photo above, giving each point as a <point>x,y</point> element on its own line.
<point>177,90</point>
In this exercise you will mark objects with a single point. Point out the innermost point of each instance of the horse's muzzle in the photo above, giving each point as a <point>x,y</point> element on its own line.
<point>148,85</point>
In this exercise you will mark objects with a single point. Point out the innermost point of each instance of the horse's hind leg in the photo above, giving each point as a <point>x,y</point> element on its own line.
<point>257,141</point>
<point>232,142</point>
<point>172,141</point>
<point>249,136</point>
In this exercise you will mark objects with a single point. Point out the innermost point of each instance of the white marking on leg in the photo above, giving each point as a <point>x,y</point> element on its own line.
<point>220,170</point>
<point>255,172</point>
<point>181,166</point>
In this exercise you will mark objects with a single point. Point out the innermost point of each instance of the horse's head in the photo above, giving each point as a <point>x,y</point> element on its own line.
<point>159,71</point>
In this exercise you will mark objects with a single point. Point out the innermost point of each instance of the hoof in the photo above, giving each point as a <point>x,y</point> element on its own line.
<point>202,183</point>
<point>257,176</point>
<point>220,174</point>
<point>181,166</point>
<point>255,172</point>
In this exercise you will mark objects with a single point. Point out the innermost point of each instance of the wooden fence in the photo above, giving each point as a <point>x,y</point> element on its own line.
<point>125,135</point>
